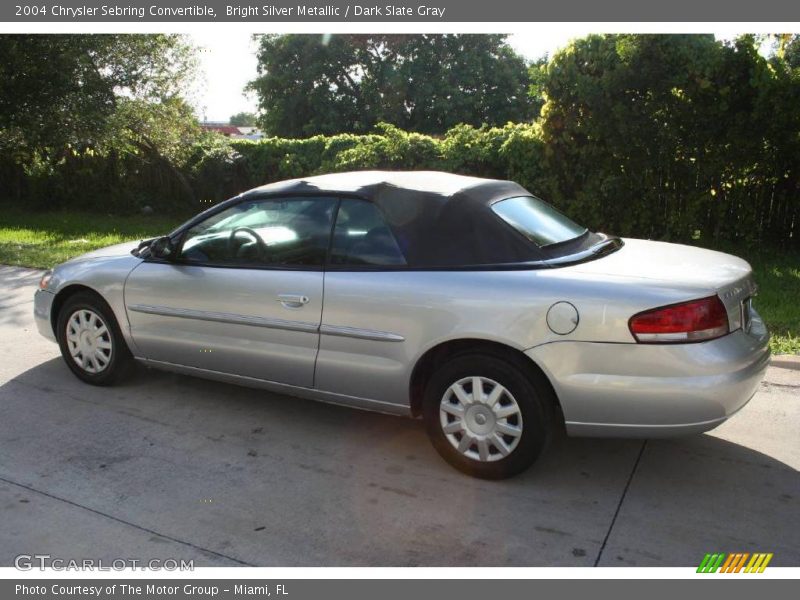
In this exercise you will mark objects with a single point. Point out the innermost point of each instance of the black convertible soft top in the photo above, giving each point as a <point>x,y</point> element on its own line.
<point>439,219</point>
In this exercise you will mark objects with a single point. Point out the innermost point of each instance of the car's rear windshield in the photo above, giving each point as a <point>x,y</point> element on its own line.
<point>537,220</point>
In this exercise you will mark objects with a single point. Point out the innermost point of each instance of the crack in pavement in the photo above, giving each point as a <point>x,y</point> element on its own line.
<point>619,505</point>
<point>124,522</point>
<point>789,386</point>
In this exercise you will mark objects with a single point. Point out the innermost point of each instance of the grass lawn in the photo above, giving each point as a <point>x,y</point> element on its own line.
<point>778,299</point>
<point>45,239</point>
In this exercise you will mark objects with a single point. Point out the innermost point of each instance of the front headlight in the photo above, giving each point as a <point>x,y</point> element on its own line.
<point>45,280</point>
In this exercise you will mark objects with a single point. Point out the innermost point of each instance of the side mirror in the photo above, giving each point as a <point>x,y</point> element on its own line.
<point>162,248</point>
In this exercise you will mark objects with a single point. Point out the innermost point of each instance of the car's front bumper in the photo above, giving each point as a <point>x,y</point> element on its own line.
<point>654,390</point>
<point>42,305</point>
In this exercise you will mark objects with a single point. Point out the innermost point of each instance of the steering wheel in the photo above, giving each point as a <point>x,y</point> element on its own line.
<point>263,250</point>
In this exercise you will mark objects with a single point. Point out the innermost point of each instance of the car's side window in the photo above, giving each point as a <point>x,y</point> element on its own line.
<point>361,237</point>
<point>263,232</point>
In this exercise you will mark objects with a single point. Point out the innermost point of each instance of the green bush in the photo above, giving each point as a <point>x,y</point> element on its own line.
<point>673,137</point>
<point>227,167</point>
<point>667,199</point>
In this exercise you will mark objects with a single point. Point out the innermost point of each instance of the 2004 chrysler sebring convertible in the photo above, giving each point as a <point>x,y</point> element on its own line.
<point>466,301</point>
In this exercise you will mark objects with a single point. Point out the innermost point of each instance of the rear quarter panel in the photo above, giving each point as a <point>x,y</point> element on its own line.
<point>427,308</point>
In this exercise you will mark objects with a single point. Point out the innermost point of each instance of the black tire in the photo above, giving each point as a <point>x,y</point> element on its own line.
<point>119,361</point>
<point>534,399</point>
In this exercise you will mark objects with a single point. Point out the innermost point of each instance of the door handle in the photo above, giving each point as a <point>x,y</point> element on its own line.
<point>293,300</point>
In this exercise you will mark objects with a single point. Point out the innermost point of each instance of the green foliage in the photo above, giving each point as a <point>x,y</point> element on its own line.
<point>93,119</point>
<point>390,148</point>
<point>674,137</point>
<point>475,151</point>
<point>243,119</point>
<point>226,167</point>
<point>44,239</point>
<point>778,277</point>
<point>537,74</point>
<point>62,91</point>
<point>309,85</point>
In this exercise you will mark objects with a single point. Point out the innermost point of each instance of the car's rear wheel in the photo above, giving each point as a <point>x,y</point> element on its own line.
<point>90,340</point>
<point>486,416</point>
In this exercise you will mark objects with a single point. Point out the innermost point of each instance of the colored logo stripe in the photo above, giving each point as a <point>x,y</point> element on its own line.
<point>758,563</point>
<point>734,562</point>
<point>711,563</point>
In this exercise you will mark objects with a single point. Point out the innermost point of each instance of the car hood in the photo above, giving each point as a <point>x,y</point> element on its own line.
<point>669,265</point>
<point>109,251</point>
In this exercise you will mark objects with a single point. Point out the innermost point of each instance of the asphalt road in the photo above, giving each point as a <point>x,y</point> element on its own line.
<point>167,466</point>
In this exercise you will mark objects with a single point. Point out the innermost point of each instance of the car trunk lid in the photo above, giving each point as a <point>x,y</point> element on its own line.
<point>666,265</point>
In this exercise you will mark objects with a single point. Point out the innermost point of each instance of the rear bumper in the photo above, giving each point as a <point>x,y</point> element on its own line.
<point>654,390</point>
<point>42,304</point>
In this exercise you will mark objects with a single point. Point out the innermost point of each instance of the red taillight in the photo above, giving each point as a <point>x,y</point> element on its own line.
<point>693,321</point>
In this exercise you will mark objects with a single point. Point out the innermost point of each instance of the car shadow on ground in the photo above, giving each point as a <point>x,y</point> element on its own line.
<point>220,465</point>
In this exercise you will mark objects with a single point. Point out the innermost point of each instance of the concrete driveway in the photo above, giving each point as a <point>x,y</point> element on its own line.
<point>167,466</point>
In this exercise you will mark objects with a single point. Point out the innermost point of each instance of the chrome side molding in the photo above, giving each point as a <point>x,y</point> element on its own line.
<point>362,334</point>
<point>236,319</point>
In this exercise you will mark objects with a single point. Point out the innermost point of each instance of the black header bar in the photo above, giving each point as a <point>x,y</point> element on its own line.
<point>431,11</point>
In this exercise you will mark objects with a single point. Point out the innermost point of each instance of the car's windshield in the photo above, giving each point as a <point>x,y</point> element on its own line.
<point>536,220</point>
<point>273,221</point>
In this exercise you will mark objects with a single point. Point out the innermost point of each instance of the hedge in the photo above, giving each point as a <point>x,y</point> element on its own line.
<point>511,152</point>
<point>219,168</point>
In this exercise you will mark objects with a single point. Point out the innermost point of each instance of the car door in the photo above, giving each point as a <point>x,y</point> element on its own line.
<point>243,294</point>
<point>369,312</point>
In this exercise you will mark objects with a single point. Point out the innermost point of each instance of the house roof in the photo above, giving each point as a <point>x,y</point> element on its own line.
<point>223,129</point>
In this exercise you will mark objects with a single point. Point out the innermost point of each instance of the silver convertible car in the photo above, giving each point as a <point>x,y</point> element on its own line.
<point>469,302</point>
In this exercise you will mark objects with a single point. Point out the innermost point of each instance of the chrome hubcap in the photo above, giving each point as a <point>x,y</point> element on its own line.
<point>89,341</point>
<point>481,419</point>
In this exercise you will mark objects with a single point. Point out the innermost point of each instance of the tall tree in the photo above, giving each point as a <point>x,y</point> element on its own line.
<point>64,97</point>
<point>427,83</point>
<point>670,135</point>
<point>243,119</point>
<point>537,73</point>
<point>59,91</point>
<point>790,49</point>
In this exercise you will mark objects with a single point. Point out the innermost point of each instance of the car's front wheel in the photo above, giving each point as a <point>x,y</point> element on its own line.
<point>90,340</point>
<point>486,416</point>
